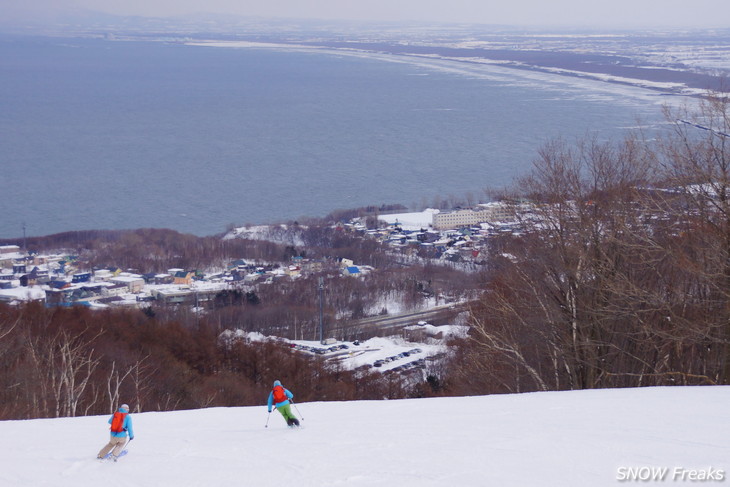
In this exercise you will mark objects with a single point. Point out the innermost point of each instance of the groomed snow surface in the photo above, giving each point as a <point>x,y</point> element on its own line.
<point>561,439</point>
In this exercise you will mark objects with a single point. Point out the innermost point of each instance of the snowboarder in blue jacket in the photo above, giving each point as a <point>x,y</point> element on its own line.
<point>281,398</point>
<point>121,425</point>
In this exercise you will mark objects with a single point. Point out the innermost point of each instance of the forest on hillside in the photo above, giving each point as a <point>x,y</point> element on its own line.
<point>76,361</point>
<point>622,277</point>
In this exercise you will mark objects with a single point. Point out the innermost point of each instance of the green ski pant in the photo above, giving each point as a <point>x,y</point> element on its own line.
<point>285,411</point>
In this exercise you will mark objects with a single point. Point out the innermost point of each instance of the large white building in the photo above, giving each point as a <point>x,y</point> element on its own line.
<point>9,249</point>
<point>483,213</point>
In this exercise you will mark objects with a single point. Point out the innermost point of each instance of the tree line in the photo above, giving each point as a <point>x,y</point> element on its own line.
<point>76,361</point>
<point>156,250</point>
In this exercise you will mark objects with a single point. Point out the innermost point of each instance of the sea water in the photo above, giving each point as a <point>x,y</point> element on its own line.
<point>98,134</point>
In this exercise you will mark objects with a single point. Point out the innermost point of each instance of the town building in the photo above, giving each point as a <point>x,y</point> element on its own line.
<point>133,283</point>
<point>483,213</point>
<point>9,249</point>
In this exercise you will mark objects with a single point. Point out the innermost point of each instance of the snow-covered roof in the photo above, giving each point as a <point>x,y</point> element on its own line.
<point>30,293</point>
<point>127,279</point>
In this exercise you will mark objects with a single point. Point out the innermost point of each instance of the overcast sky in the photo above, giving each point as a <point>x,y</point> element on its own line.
<point>580,13</point>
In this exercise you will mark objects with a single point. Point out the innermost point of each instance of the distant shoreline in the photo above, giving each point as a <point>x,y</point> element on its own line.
<point>610,68</point>
<point>606,68</point>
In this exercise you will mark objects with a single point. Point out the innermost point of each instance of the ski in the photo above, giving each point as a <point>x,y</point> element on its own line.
<point>109,456</point>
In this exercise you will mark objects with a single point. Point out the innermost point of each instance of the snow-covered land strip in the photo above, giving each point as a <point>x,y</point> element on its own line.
<point>581,439</point>
<point>505,70</point>
<point>411,221</point>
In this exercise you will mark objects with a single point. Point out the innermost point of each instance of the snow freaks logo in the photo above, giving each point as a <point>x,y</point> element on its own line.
<point>663,474</point>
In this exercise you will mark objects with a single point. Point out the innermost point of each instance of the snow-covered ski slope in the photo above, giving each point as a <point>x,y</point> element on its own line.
<point>582,439</point>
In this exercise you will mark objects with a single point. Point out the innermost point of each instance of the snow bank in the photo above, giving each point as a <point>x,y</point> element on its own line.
<point>580,439</point>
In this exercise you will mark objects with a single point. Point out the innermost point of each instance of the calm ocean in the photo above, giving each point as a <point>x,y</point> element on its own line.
<point>108,135</point>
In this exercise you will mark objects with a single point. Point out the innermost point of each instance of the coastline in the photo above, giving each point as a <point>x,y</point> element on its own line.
<point>618,70</point>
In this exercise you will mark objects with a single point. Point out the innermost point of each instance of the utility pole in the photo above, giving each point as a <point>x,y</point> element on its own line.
<point>25,247</point>
<point>321,314</point>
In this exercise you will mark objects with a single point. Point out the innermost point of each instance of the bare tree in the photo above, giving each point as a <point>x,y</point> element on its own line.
<point>77,364</point>
<point>115,378</point>
<point>64,365</point>
<point>141,374</point>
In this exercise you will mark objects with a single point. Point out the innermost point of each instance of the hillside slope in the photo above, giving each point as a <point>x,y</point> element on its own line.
<point>543,439</point>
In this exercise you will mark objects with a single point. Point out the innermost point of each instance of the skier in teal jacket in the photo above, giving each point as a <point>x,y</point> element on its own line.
<point>121,425</point>
<point>281,398</point>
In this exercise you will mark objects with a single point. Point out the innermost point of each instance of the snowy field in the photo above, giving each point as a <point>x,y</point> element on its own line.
<point>582,439</point>
<point>411,221</point>
<point>393,353</point>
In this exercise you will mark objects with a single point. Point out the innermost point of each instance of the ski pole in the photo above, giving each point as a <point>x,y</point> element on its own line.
<point>295,407</point>
<point>126,445</point>
<point>267,420</point>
